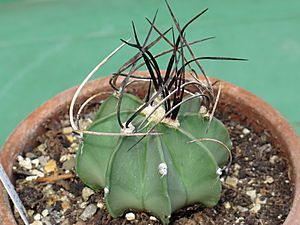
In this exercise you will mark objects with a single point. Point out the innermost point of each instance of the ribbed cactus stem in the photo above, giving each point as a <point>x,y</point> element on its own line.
<point>160,174</point>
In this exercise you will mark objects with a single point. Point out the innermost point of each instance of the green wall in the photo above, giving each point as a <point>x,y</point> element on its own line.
<point>47,46</point>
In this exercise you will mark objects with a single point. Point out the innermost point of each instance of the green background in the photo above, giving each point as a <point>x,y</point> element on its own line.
<point>47,46</point>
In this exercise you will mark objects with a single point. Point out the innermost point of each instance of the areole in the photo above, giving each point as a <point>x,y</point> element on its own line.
<point>259,115</point>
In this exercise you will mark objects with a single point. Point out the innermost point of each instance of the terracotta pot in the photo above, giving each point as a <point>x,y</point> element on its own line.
<point>259,115</point>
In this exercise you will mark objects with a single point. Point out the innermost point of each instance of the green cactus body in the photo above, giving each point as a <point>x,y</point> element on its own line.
<point>161,173</point>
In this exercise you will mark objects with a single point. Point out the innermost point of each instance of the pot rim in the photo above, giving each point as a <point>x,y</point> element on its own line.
<point>280,130</point>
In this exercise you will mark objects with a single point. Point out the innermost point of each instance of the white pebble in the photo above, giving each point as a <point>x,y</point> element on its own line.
<point>236,166</point>
<point>269,180</point>
<point>66,157</point>
<point>130,216</point>
<point>255,208</point>
<point>240,219</point>
<point>35,162</point>
<point>227,205</point>
<point>31,178</point>
<point>37,173</point>
<point>100,205</point>
<point>251,194</point>
<point>67,130</point>
<point>63,158</point>
<point>246,131</point>
<point>42,148</point>
<point>203,110</point>
<point>273,159</point>
<point>25,163</point>
<point>83,205</point>
<point>153,218</point>
<point>45,212</point>
<point>37,217</point>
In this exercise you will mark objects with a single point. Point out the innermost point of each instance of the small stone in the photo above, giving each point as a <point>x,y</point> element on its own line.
<point>30,155</point>
<point>31,178</point>
<point>37,173</point>
<point>43,160</point>
<point>246,131</point>
<point>240,219</point>
<point>231,181</point>
<point>73,148</point>
<point>86,193</point>
<point>236,167</point>
<point>65,205</point>
<point>37,217</point>
<point>255,208</point>
<point>242,209</point>
<point>50,166</point>
<point>84,123</point>
<point>83,205</point>
<point>260,200</point>
<point>252,195</point>
<point>203,110</point>
<point>69,164</point>
<point>56,215</point>
<point>273,159</point>
<point>153,218</point>
<point>45,212</point>
<point>67,130</point>
<point>70,138</point>
<point>89,211</point>
<point>25,163</point>
<point>37,223</point>
<point>269,180</point>
<point>130,216</point>
<point>41,148</point>
<point>30,212</point>
<point>35,162</point>
<point>227,205</point>
<point>64,158</point>
<point>100,205</point>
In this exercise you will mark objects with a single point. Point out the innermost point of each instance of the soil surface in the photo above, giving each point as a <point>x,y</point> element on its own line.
<point>256,188</point>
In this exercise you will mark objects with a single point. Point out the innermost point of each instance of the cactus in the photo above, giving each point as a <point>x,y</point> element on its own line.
<point>171,150</point>
<point>161,173</point>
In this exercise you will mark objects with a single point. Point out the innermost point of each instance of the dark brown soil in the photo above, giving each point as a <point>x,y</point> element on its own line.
<point>256,188</point>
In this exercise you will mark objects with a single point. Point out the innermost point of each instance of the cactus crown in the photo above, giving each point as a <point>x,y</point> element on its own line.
<point>163,152</point>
